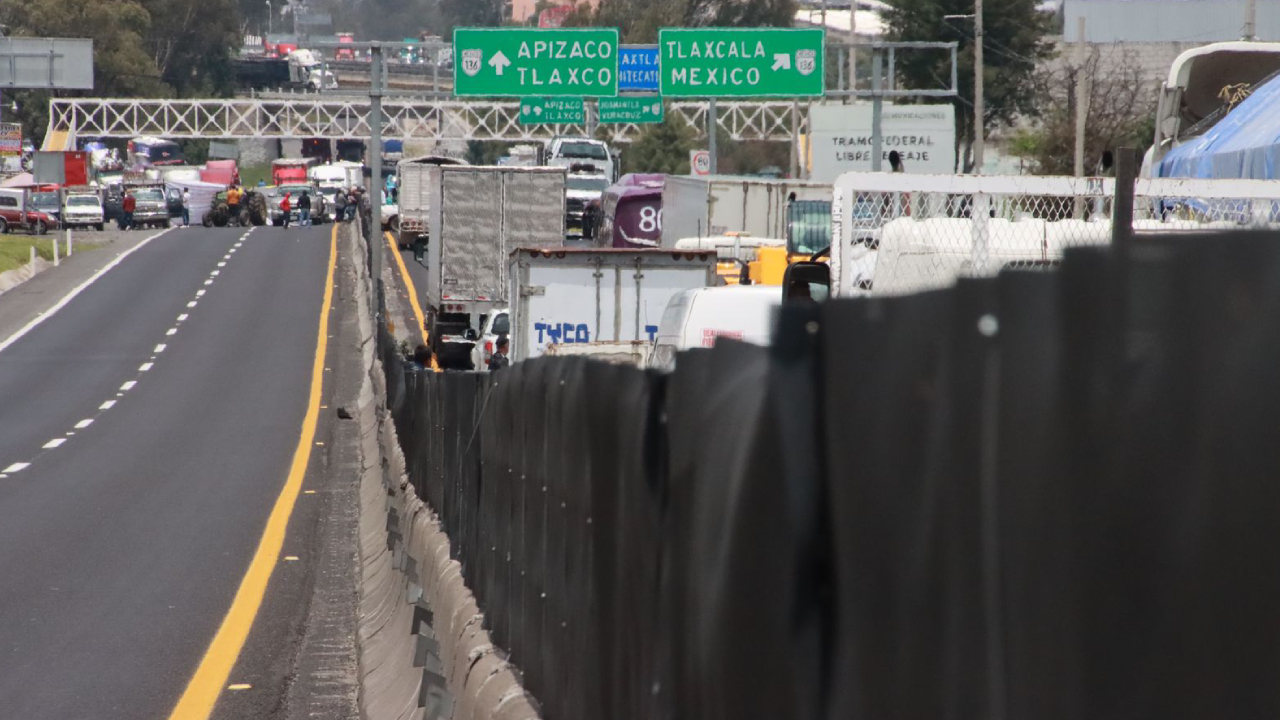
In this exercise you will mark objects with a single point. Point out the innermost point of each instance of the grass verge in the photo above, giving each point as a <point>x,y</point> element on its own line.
<point>15,250</point>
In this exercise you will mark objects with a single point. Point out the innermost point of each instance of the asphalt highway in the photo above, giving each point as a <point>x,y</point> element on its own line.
<point>146,430</point>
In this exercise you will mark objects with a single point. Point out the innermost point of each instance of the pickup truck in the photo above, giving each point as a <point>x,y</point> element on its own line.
<point>83,209</point>
<point>12,202</point>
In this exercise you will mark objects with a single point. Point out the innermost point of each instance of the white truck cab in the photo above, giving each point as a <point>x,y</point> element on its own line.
<point>582,155</point>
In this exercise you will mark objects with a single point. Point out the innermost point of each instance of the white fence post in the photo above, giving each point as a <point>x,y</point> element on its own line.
<point>980,214</point>
<point>68,242</point>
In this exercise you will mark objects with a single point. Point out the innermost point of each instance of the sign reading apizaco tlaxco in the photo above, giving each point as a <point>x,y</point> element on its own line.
<point>517,62</point>
<point>748,62</point>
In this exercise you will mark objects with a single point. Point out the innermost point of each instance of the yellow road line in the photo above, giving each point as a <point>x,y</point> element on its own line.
<point>413,296</point>
<point>408,283</point>
<point>206,685</point>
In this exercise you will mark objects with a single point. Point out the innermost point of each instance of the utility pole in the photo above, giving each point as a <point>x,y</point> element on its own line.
<point>853,46</point>
<point>375,175</point>
<point>877,108</point>
<point>712,122</point>
<point>1251,20</point>
<point>979,106</point>
<point>1082,95</point>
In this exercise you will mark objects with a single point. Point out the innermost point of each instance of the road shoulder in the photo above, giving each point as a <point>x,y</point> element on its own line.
<point>300,659</point>
<point>37,296</point>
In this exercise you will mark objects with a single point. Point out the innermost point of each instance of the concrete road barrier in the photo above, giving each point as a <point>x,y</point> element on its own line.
<point>424,650</point>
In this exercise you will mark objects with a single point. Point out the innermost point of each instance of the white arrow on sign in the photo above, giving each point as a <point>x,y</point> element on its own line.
<point>780,60</point>
<point>499,62</point>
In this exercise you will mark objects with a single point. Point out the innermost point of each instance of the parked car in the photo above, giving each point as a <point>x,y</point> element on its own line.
<point>151,206</point>
<point>495,324</point>
<point>319,207</point>
<point>48,203</point>
<point>12,215</point>
<point>83,210</point>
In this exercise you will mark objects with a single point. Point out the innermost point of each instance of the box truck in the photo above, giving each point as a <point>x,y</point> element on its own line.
<point>480,215</point>
<point>695,207</point>
<point>596,297</point>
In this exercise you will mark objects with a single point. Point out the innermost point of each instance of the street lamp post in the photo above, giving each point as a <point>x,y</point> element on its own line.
<point>268,18</point>
<point>979,101</point>
<point>979,104</point>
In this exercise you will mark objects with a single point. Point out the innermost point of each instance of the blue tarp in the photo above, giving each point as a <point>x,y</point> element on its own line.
<point>1244,144</point>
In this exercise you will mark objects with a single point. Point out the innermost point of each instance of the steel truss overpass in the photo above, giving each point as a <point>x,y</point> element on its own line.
<point>348,118</point>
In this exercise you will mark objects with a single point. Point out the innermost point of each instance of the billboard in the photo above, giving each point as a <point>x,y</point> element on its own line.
<point>27,62</point>
<point>10,139</point>
<point>554,16</point>
<point>923,135</point>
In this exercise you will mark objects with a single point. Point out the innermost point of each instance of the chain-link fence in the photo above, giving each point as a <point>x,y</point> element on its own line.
<point>897,234</point>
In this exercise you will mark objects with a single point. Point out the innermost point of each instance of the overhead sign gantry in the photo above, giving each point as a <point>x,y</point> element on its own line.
<point>749,62</point>
<point>520,62</point>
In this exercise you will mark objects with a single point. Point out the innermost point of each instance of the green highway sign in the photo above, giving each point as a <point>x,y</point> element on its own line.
<point>747,62</point>
<point>518,62</point>
<point>632,109</point>
<point>554,111</point>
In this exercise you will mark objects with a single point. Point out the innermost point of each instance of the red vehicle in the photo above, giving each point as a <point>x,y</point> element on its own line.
<point>290,171</point>
<point>221,172</point>
<point>345,53</point>
<point>17,212</point>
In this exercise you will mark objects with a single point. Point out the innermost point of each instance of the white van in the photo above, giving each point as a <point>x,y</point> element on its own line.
<point>701,316</point>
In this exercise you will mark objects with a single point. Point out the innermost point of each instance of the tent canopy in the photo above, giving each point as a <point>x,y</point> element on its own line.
<point>1244,144</point>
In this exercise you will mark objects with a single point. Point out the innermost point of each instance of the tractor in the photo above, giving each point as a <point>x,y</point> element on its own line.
<point>253,211</point>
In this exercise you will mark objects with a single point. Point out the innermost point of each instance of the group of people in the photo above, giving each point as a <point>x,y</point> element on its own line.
<point>347,202</point>
<point>424,360</point>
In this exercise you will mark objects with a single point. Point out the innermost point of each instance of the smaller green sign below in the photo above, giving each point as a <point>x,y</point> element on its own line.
<point>552,111</point>
<point>635,109</point>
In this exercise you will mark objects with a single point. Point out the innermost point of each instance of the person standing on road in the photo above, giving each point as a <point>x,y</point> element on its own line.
<point>304,209</point>
<point>499,359</point>
<point>340,205</point>
<point>233,201</point>
<point>127,206</point>
<point>366,206</point>
<point>186,207</point>
<point>285,207</point>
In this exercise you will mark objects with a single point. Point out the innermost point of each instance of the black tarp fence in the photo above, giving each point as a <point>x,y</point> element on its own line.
<point>1049,495</point>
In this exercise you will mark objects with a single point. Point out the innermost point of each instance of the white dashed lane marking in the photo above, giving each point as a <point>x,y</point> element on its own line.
<point>144,367</point>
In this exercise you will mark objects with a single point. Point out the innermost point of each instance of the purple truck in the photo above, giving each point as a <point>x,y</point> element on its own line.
<point>631,212</point>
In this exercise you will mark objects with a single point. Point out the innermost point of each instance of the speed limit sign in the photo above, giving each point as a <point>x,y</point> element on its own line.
<point>700,162</point>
